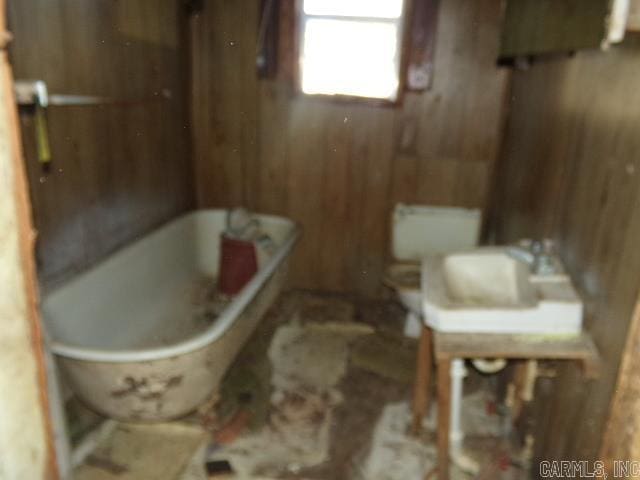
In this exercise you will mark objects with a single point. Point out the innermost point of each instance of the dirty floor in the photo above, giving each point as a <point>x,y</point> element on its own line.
<point>321,391</point>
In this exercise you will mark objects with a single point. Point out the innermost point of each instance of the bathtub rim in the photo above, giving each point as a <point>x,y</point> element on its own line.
<point>222,324</point>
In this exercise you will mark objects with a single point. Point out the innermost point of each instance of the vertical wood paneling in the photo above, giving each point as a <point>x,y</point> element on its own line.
<point>118,170</point>
<point>621,439</point>
<point>335,192</point>
<point>375,211</point>
<point>570,171</point>
<point>306,143</point>
<point>273,157</point>
<point>338,168</point>
<point>223,59</point>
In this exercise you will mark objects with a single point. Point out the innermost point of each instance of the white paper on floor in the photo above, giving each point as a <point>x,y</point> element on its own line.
<point>308,362</point>
<point>158,451</point>
<point>394,454</point>
<point>475,419</point>
<point>308,356</point>
<point>297,436</point>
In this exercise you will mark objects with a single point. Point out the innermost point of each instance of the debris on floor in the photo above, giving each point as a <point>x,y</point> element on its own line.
<point>308,361</point>
<point>317,393</point>
<point>136,451</point>
<point>318,309</point>
<point>388,355</point>
<point>478,417</point>
<point>297,437</point>
<point>303,356</point>
<point>394,454</point>
<point>218,469</point>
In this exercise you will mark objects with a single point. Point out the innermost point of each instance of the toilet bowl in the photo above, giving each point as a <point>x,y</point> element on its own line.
<point>418,231</point>
<point>404,279</point>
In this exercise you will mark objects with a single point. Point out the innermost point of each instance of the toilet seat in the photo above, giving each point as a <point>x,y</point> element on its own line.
<point>403,276</point>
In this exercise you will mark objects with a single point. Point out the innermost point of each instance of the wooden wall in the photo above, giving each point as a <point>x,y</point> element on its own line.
<point>622,438</point>
<point>118,170</point>
<point>570,170</point>
<point>338,168</point>
<point>26,437</point>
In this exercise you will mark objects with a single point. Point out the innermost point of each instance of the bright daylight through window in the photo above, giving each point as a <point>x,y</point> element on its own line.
<point>351,47</point>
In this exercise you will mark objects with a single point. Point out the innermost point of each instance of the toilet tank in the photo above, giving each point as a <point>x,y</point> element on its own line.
<point>420,230</point>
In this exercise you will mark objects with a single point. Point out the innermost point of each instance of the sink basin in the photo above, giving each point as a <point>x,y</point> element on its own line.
<point>486,278</point>
<point>487,291</point>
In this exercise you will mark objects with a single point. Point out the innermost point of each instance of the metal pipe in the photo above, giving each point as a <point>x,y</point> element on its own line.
<point>458,372</point>
<point>456,435</point>
<point>35,92</point>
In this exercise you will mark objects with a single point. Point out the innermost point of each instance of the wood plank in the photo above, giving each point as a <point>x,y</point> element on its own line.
<point>619,441</point>
<point>26,434</point>
<point>444,416</point>
<point>422,385</point>
<point>486,345</point>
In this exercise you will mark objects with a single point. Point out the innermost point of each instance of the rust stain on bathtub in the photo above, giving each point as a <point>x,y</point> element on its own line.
<point>146,388</point>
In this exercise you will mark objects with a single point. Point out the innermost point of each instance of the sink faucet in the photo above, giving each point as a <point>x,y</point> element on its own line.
<point>537,256</point>
<point>521,254</point>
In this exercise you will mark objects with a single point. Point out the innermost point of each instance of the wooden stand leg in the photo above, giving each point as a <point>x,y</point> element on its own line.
<point>422,386</point>
<point>444,416</point>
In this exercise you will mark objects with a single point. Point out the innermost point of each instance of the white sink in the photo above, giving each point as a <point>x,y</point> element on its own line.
<point>487,291</point>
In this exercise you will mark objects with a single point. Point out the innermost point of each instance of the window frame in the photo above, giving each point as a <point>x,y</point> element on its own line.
<point>404,33</point>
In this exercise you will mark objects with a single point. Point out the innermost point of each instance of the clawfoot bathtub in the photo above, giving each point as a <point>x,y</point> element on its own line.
<point>126,334</point>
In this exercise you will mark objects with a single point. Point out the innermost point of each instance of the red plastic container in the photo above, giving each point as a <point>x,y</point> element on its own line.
<point>238,264</point>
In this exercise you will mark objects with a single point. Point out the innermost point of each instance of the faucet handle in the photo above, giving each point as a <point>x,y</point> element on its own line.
<point>543,246</point>
<point>544,263</point>
<point>549,245</point>
<point>537,247</point>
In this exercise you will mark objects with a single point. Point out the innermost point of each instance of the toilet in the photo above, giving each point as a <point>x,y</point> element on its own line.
<point>418,231</point>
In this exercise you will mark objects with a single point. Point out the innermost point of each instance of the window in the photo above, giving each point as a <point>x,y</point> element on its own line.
<point>351,47</point>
